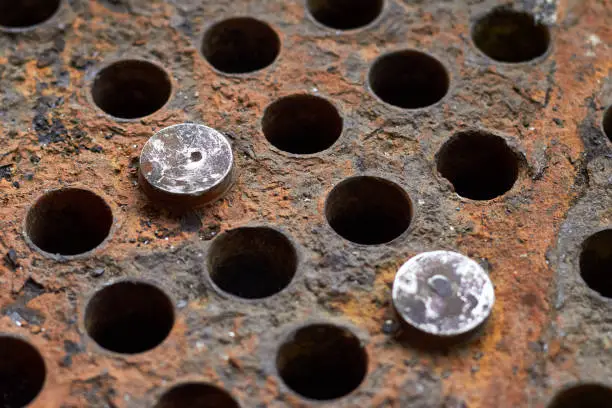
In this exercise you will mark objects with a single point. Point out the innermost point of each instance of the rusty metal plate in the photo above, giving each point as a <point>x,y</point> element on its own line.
<point>363,133</point>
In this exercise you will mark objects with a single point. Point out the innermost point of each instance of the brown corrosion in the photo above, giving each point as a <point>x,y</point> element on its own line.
<point>549,110</point>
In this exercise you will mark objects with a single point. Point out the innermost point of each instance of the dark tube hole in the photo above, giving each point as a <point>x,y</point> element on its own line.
<point>129,317</point>
<point>16,14</point>
<point>583,396</point>
<point>507,35</point>
<point>131,89</point>
<point>252,263</point>
<point>196,395</point>
<point>409,79</point>
<point>480,165</point>
<point>69,222</point>
<point>345,14</point>
<point>22,372</point>
<point>368,210</point>
<point>596,262</point>
<point>240,45</point>
<point>607,123</point>
<point>322,362</point>
<point>302,124</point>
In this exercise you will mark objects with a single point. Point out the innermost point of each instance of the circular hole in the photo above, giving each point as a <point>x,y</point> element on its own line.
<point>22,372</point>
<point>131,89</point>
<point>26,13</point>
<point>322,362</point>
<point>583,396</point>
<point>368,210</point>
<point>129,317</point>
<point>596,262</point>
<point>480,165</point>
<point>197,395</point>
<point>345,14</point>
<point>409,79</point>
<point>69,222</point>
<point>240,45</point>
<point>302,124</point>
<point>252,263</point>
<point>507,35</point>
<point>607,123</point>
<point>196,156</point>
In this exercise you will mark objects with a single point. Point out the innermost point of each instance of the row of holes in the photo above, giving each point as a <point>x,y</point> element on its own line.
<point>319,362</point>
<point>133,89</point>
<point>259,262</point>
<point>298,124</point>
<point>364,210</point>
<point>243,45</point>
<point>406,79</point>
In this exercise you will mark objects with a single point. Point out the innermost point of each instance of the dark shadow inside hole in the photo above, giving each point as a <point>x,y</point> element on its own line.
<point>512,36</point>
<point>26,13</point>
<point>252,263</point>
<point>322,362</point>
<point>129,317</point>
<point>345,14</point>
<point>480,165</point>
<point>22,372</point>
<point>302,124</point>
<point>131,89</point>
<point>596,262</point>
<point>196,395</point>
<point>607,123</point>
<point>583,396</point>
<point>409,79</point>
<point>69,222</point>
<point>368,210</point>
<point>240,45</point>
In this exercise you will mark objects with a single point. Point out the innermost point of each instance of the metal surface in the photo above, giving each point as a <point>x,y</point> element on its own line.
<point>186,165</point>
<point>443,293</point>
<point>550,327</point>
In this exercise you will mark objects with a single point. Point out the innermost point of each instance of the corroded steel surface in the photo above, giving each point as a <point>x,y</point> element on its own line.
<point>547,329</point>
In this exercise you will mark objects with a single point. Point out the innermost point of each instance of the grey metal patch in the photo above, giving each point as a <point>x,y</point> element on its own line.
<point>443,293</point>
<point>187,160</point>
